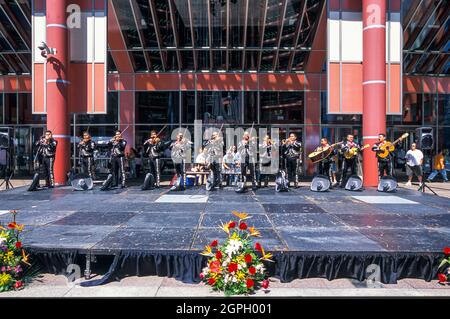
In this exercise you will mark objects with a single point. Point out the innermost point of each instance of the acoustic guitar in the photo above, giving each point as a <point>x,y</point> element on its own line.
<point>353,151</point>
<point>322,154</point>
<point>388,147</point>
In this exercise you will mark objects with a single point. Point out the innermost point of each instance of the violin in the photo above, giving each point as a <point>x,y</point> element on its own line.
<point>85,140</point>
<point>156,140</point>
<point>153,140</point>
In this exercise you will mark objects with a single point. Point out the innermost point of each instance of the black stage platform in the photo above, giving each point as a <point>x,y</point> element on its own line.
<point>329,235</point>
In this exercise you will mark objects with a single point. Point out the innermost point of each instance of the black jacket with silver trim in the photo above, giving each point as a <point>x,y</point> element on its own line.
<point>153,150</point>
<point>179,149</point>
<point>247,150</point>
<point>47,148</point>
<point>86,149</point>
<point>292,150</point>
<point>214,151</point>
<point>117,147</point>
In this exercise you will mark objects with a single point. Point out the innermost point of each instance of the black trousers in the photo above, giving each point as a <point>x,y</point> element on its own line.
<point>385,166</point>
<point>264,178</point>
<point>324,168</point>
<point>87,166</point>
<point>118,170</point>
<point>346,165</point>
<point>251,166</point>
<point>215,168</point>
<point>292,167</point>
<point>47,170</point>
<point>154,167</point>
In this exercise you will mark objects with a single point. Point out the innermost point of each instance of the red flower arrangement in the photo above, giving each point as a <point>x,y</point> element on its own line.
<point>236,267</point>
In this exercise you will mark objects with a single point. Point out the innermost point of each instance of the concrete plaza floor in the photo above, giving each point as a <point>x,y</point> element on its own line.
<point>152,286</point>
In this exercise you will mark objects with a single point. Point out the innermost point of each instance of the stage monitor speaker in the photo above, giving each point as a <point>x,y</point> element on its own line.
<point>281,182</point>
<point>149,182</point>
<point>81,182</point>
<point>320,183</point>
<point>240,187</point>
<point>424,138</point>
<point>107,183</point>
<point>354,183</point>
<point>34,183</point>
<point>387,184</point>
<point>6,136</point>
<point>4,140</point>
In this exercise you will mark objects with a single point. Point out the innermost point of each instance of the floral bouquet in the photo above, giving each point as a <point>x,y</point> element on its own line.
<point>444,276</point>
<point>236,267</point>
<point>12,256</point>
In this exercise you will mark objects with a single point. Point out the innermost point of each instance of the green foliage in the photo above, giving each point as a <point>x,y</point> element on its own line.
<point>13,258</point>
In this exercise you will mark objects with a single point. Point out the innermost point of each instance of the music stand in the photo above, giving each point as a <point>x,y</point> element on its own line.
<point>8,172</point>
<point>424,186</point>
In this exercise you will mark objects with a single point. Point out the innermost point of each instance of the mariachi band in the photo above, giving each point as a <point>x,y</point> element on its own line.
<point>254,166</point>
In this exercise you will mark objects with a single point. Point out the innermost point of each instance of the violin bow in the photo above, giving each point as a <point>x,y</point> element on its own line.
<point>161,130</point>
<point>125,129</point>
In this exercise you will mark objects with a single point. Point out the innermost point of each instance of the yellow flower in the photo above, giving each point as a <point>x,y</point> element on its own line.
<point>265,256</point>
<point>207,252</point>
<point>240,259</point>
<point>25,258</point>
<point>241,216</point>
<point>240,275</point>
<point>5,279</point>
<point>235,236</point>
<point>225,228</point>
<point>8,257</point>
<point>254,232</point>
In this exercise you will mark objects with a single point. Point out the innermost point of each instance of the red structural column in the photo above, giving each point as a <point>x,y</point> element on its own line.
<point>57,85</point>
<point>374,82</point>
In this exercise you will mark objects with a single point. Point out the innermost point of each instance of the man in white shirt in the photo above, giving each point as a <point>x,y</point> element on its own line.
<point>414,161</point>
<point>228,167</point>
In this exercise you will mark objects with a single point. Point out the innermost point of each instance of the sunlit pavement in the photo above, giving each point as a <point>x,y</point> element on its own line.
<point>152,286</point>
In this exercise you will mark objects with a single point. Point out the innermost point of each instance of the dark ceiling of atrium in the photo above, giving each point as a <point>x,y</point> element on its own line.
<point>231,35</point>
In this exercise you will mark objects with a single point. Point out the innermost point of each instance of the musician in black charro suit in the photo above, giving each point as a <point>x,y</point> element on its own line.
<point>351,162</point>
<point>324,164</point>
<point>153,148</point>
<point>87,148</point>
<point>247,152</point>
<point>117,145</point>
<point>291,150</point>
<point>267,148</point>
<point>385,165</point>
<point>179,148</point>
<point>45,158</point>
<point>214,153</point>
